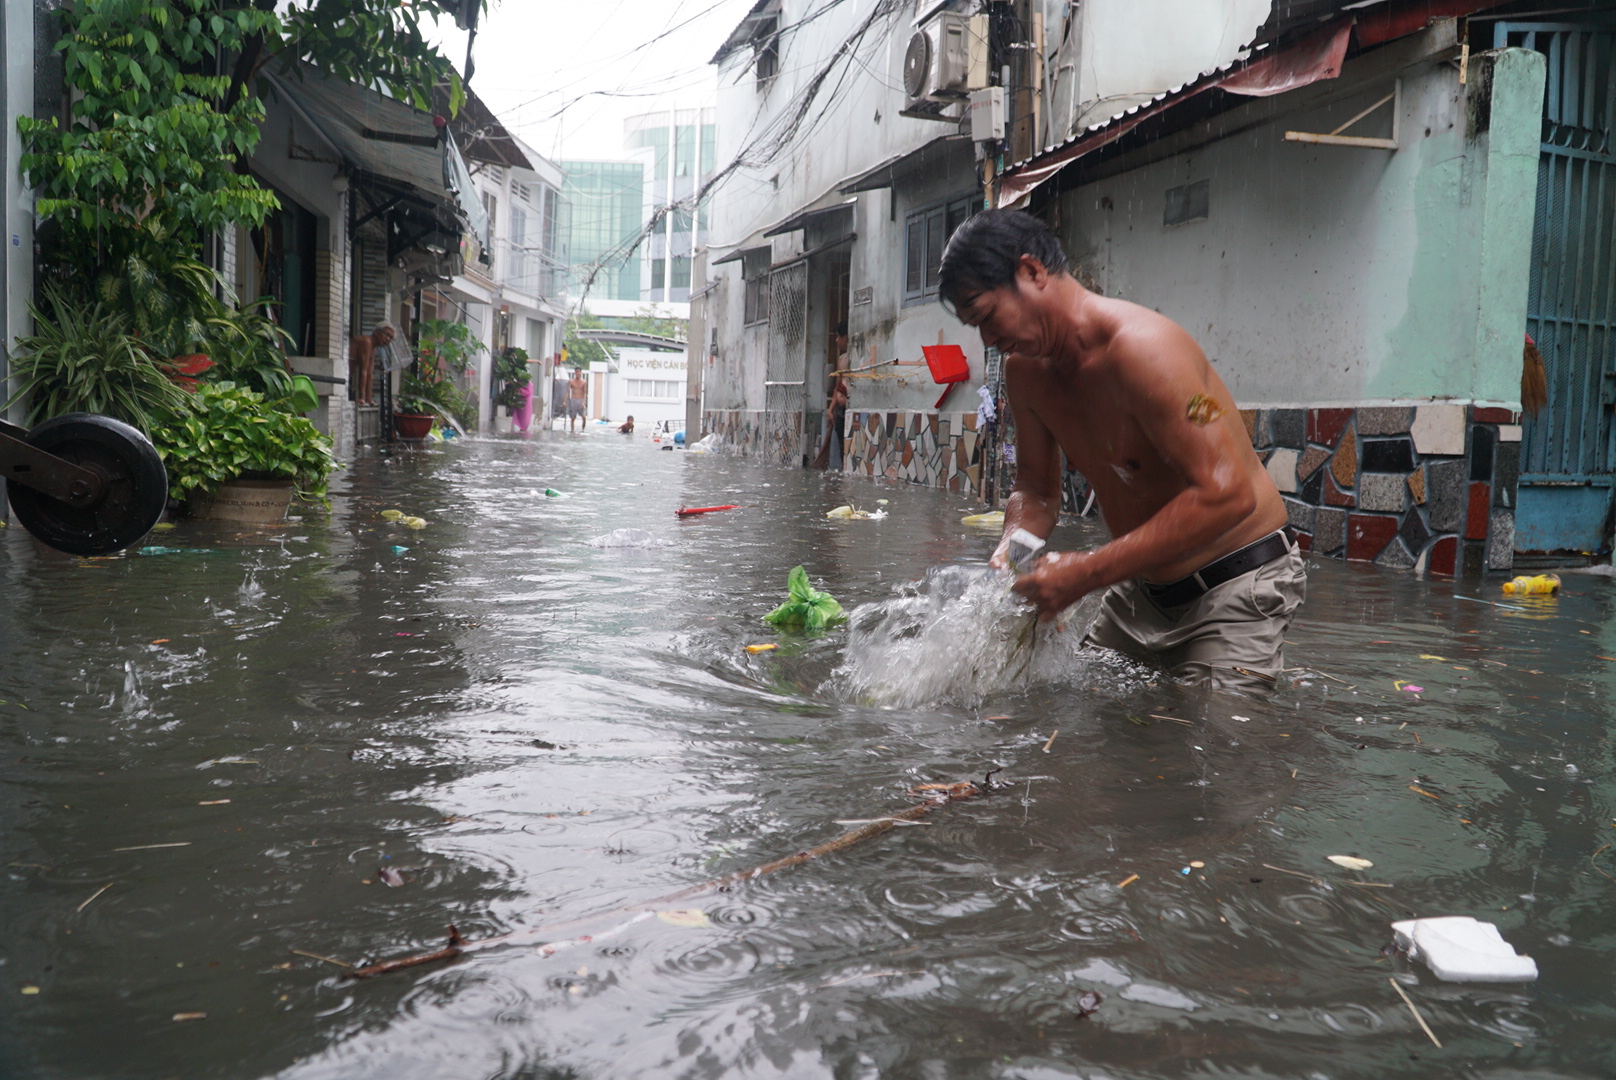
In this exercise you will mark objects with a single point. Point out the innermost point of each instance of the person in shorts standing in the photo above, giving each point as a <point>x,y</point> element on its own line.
<point>577,389</point>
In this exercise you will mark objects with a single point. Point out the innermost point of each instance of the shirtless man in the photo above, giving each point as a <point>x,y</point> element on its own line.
<point>576,389</point>
<point>1200,575</point>
<point>362,363</point>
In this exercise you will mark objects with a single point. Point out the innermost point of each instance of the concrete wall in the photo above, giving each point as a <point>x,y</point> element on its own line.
<point>1332,275</point>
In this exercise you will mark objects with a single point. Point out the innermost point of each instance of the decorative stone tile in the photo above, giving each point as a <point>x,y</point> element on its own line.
<point>1501,540</point>
<point>1476,512</point>
<point>1416,486</point>
<point>945,432</point>
<point>1385,421</point>
<point>1334,496</point>
<point>1368,535</point>
<point>1444,556</point>
<point>1301,515</point>
<point>1264,435</point>
<point>1264,455</point>
<point>1248,417</point>
<point>1474,560</point>
<point>1289,427</point>
<point>1446,494</point>
<point>1282,467</point>
<point>974,474</point>
<point>908,453</point>
<point>1344,467</point>
<point>1304,542</point>
<point>969,420</point>
<point>1395,556</point>
<point>1492,415</point>
<point>961,458</point>
<point>1414,532</point>
<point>1381,491</point>
<point>1482,442</point>
<point>1326,425</point>
<point>1387,455</point>
<point>1312,491</point>
<point>1329,530</point>
<point>969,441</point>
<point>1439,429</point>
<point>891,422</point>
<point>1311,459</point>
<point>931,425</point>
<point>1508,433</point>
<point>1506,473</point>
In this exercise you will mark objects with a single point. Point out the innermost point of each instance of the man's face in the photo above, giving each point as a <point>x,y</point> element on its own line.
<point>1008,316</point>
<point>384,336</point>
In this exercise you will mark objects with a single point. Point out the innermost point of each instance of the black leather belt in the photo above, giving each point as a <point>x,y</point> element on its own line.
<point>1215,573</point>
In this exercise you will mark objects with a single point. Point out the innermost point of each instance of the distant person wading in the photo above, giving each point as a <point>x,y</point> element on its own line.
<point>1201,575</point>
<point>577,388</point>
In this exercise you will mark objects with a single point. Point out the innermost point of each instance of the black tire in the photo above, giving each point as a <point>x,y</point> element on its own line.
<point>136,489</point>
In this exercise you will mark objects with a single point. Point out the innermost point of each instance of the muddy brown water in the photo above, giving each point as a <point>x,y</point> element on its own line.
<point>529,729</point>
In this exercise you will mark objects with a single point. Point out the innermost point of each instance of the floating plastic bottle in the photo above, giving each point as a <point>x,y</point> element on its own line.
<point>1535,585</point>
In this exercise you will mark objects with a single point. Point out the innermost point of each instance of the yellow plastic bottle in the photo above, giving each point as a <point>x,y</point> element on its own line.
<point>1535,585</point>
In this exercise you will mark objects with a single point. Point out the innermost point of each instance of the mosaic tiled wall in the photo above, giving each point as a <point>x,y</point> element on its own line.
<point>755,433</point>
<point>935,449</point>
<point>1429,487</point>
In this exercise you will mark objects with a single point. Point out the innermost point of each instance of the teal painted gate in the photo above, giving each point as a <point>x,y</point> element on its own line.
<point>1567,455</point>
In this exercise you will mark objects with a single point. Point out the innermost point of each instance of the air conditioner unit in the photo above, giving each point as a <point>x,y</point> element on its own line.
<point>946,59</point>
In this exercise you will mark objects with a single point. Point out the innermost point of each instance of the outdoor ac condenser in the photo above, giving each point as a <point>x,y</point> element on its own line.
<point>946,59</point>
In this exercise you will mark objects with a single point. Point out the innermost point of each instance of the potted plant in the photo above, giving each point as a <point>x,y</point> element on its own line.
<point>510,371</point>
<point>412,413</point>
<point>234,456</point>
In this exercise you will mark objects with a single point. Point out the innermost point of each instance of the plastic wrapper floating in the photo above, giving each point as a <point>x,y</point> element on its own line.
<point>807,608</point>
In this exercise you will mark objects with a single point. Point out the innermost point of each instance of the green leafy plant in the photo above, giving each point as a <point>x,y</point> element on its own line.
<point>87,360</point>
<point>424,395</point>
<point>231,432</point>
<point>164,110</point>
<point>806,608</point>
<point>510,371</point>
<point>447,347</point>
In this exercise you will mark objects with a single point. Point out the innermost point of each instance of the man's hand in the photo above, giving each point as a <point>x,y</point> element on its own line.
<point>1056,582</point>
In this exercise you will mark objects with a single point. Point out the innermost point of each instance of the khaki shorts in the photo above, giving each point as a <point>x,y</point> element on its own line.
<point>1230,638</point>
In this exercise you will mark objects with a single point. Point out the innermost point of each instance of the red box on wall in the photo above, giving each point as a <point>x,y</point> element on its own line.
<point>947,363</point>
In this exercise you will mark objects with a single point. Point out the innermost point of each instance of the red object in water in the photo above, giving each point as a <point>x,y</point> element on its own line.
<point>412,425</point>
<point>689,511</point>
<point>947,363</point>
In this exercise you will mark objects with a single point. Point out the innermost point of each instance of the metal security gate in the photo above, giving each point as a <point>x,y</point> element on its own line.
<point>1567,456</point>
<point>785,384</point>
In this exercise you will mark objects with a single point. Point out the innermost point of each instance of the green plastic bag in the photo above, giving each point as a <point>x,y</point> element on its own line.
<point>808,608</point>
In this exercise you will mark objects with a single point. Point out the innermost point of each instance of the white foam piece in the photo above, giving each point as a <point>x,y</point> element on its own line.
<point>1461,949</point>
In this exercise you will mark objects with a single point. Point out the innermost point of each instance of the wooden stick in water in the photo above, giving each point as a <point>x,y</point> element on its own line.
<point>936,795</point>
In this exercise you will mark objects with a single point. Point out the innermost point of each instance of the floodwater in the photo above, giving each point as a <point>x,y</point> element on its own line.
<point>210,750</point>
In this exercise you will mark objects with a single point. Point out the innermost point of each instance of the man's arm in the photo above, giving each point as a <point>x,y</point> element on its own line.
<point>1034,503</point>
<point>1164,377</point>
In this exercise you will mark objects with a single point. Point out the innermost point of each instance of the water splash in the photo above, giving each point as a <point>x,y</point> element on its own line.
<point>959,634</point>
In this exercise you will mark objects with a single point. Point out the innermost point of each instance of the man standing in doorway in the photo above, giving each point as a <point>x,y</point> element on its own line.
<point>1201,575</point>
<point>362,363</point>
<point>577,389</point>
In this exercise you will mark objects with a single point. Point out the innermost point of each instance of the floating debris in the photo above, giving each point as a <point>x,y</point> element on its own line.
<point>1350,862</point>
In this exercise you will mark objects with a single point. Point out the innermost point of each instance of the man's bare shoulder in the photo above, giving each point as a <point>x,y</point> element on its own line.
<point>1146,343</point>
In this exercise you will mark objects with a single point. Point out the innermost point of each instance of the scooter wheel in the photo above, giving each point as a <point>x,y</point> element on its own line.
<point>136,486</point>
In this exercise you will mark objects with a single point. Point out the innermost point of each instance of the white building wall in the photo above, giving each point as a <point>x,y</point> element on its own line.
<point>625,387</point>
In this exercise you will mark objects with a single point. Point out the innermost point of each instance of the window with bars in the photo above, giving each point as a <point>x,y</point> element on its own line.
<point>926,233</point>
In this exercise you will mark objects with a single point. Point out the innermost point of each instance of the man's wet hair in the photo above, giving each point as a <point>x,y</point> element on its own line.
<point>984,252</point>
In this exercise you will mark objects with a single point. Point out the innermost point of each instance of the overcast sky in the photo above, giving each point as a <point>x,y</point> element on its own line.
<point>546,68</point>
